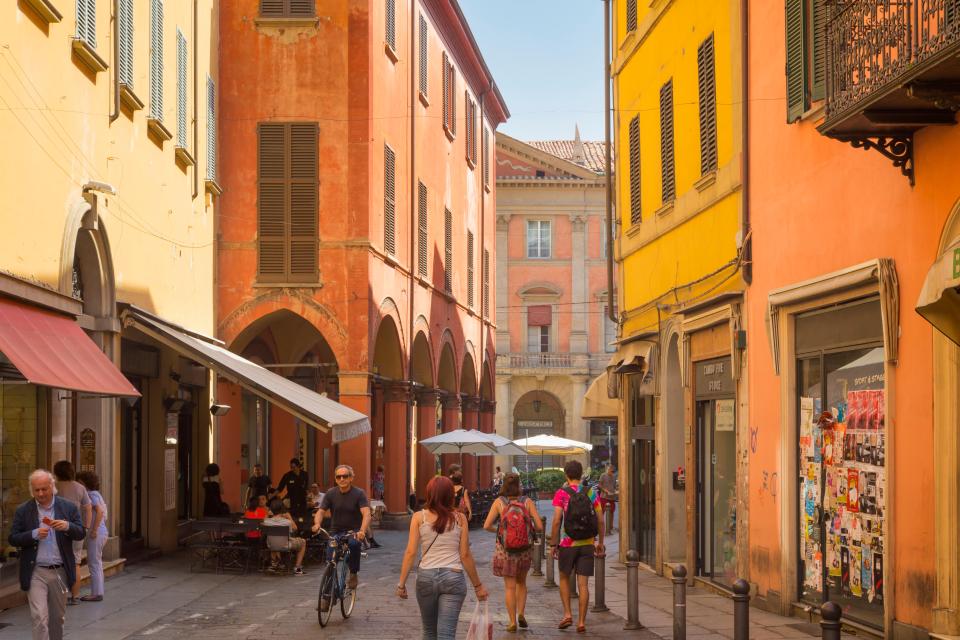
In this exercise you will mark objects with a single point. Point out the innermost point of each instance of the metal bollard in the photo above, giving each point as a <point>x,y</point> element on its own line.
<point>538,550</point>
<point>680,603</point>
<point>633,591</point>
<point>549,582</point>
<point>830,614</point>
<point>599,583</point>
<point>741,610</point>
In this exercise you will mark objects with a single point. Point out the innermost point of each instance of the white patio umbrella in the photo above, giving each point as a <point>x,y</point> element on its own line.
<point>461,441</point>
<point>505,446</point>
<point>548,445</point>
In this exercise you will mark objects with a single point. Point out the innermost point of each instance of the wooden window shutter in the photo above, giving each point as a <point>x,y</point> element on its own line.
<point>287,201</point>
<point>389,201</point>
<point>667,168</point>
<point>635,202</point>
<point>87,21</point>
<point>423,56</point>
<point>486,283</point>
<point>796,60</point>
<point>631,15</point>
<point>211,130</point>
<point>125,22</point>
<point>470,270</point>
<point>706,78</point>
<point>470,117</point>
<point>390,26</point>
<point>287,8</point>
<point>453,101</point>
<point>181,90</point>
<point>301,9</point>
<point>446,91</point>
<point>422,257</point>
<point>486,157</point>
<point>447,251</point>
<point>819,45</point>
<point>156,59</point>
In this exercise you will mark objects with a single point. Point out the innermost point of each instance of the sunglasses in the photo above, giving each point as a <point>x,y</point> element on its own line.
<point>341,477</point>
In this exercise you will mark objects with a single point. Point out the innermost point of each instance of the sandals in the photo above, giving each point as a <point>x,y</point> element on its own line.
<point>512,628</point>
<point>566,622</point>
<point>581,628</point>
<point>522,621</point>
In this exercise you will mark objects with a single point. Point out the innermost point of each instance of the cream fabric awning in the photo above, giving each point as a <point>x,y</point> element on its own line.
<point>316,410</point>
<point>597,405</point>
<point>631,357</point>
<point>939,300</point>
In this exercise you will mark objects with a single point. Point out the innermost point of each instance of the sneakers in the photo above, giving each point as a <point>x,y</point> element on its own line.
<point>352,581</point>
<point>324,604</point>
<point>298,571</point>
<point>274,567</point>
<point>91,598</point>
<point>374,544</point>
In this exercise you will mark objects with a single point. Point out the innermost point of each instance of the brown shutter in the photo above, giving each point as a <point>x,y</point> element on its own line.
<point>667,169</point>
<point>390,23</point>
<point>423,55</point>
<point>301,8</point>
<point>635,203</point>
<point>389,201</point>
<point>631,15</point>
<point>446,91</point>
<point>486,156</point>
<point>287,8</point>
<point>447,251</point>
<point>708,106</point>
<point>304,138</point>
<point>271,202</point>
<point>486,283</point>
<point>470,270</point>
<point>422,257</point>
<point>453,101</point>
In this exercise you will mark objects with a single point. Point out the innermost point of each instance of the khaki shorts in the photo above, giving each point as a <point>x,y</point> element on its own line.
<point>77,551</point>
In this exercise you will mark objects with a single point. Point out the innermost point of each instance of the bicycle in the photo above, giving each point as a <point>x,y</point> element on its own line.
<point>333,583</point>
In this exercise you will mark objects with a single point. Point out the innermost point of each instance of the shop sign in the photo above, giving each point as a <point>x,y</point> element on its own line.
<point>169,479</point>
<point>713,378</point>
<point>725,415</point>
<point>535,424</point>
<point>88,450</point>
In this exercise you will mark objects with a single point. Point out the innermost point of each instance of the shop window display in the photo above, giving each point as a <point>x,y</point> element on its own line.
<point>18,451</point>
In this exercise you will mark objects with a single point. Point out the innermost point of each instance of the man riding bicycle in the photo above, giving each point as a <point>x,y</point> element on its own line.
<point>349,510</point>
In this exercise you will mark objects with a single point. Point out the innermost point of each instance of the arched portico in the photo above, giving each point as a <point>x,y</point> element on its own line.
<point>391,404</point>
<point>538,412</point>
<point>427,414</point>
<point>470,404</point>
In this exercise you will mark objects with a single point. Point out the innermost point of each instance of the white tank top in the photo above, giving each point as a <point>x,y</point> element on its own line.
<point>439,551</point>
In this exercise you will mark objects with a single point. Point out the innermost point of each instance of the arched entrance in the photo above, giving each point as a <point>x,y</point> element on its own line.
<point>488,411</point>
<point>470,404</point>
<point>449,395</point>
<point>672,501</point>
<point>538,412</point>
<point>426,415</point>
<point>391,405</point>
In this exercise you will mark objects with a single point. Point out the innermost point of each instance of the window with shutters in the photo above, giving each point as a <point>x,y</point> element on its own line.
<point>389,201</point>
<point>706,79</point>
<point>422,257</point>
<point>470,270</point>
<point>486,283</point>
<point>631,15</point>
<point>447,251</point>
<point>538,239</point>
<point>287,9</point>
<point>87,22</point>
<point>538,338</point>
<point>635,203</point>
<point>390,24</point>
<point>806,52</point>
<point>156,60</point>
<point>125,24</point>
<point>181,90</point>
<point>667,167</point>
<point>470,129</point>
<point>486,157</point>
<point>287,201</point>
<point>211,130</point>
<point>423,57</point>
<point>449,97</point>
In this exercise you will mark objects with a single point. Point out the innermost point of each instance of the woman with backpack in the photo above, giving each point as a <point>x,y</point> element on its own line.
<point>512,555</point>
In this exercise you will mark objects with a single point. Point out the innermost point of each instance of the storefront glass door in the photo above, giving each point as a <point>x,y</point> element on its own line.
<point>717,490</point>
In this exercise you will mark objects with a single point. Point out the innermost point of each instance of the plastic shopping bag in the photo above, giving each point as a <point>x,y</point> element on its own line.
<point>481,626</point>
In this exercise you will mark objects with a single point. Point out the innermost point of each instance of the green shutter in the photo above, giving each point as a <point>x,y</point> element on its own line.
<point>819,42</point>
<point>796,60</point>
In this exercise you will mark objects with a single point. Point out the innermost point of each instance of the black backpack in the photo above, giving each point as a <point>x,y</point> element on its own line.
<point>579,518</point>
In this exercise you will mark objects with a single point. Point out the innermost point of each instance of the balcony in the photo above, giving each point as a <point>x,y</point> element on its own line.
<point>892,68</point>
<point>550,363</point>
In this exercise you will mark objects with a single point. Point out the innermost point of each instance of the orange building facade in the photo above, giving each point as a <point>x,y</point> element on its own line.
<point>858,506</point>
<point>357,232</point>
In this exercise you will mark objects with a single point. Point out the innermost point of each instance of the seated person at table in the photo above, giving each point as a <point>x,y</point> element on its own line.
<point>256,509</point>
<point>289,542</point>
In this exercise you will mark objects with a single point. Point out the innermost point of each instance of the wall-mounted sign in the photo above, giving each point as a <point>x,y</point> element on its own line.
<point>535,424</point>
<point>726,412</point>
<point>713,378</point>
<point>169,479</point>
<point>173,427</point>
<point>88,450</point>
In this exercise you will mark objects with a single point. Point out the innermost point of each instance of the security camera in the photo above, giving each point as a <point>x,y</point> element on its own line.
<point>219,409</point>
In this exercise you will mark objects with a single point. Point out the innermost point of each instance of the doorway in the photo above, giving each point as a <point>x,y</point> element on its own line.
<point>716,490</point>
<point>644,453</point>
<point>131,469</point>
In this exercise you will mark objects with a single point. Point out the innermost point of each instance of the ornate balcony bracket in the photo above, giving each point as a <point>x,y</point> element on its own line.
<point>895,147</point>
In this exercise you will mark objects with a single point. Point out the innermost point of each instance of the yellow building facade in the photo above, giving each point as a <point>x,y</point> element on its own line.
<point>109,124</point>
<point>677,86</point>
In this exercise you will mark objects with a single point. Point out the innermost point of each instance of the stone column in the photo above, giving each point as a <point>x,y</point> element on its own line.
<point>471,420</point>
<point>355,393</point>
<point>396,398</point>
<point>501,313</point>
<point>427,426</point>
<point>450,420</point>
<point>578,283</point>
<point>488,409</point>
<point>503,421</point>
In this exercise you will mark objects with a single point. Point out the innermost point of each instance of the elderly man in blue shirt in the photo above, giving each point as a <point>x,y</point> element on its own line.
<point>43,529</point>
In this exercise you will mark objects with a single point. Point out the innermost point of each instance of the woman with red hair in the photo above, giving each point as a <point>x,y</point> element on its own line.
<point>440,534</point>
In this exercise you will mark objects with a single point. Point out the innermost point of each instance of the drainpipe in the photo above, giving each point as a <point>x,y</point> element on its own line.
<point>116,61</point>
<point>196,153</point>
<point>747,263</point>
<point>611,312</point>
<point>414,222</point>
<point>483,197</point>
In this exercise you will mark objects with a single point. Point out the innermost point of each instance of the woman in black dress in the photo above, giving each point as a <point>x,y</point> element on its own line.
<point>213,504</point>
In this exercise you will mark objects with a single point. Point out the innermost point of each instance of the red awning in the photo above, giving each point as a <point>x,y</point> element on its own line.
<point>52,350</point>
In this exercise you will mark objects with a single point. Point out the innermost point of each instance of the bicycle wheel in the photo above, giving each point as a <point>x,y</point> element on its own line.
<point>349,595</point>
<point>327,591</point>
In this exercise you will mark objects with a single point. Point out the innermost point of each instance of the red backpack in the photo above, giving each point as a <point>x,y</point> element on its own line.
<point>516,526</point>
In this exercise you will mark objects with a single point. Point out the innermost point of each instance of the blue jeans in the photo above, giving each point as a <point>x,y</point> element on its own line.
<point>440,594</point>
<point>353,557</point>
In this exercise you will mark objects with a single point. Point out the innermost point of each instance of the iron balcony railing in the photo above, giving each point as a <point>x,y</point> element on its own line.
<point>550,360</point>
<point>873,44</point>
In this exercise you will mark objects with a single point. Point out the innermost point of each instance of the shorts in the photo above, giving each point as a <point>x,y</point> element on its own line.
<point>575,559</point>
<point>77,549</point>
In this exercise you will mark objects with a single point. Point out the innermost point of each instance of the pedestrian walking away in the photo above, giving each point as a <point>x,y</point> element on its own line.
<point>349,510</point>
<point>213,504</point>
<point>439,532</point>
<point>44,529</point>
<point>96,536</point>
<point>578,508</point>
<point>461,497</point>
<point>512,555</point>
<point>69,489</point>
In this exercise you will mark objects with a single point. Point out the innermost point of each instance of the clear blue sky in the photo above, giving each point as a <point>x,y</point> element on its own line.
<point>547,58</point>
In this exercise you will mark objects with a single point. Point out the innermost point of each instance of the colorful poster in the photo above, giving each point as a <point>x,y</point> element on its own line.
<point>853,490</point>
<point>878,575</point>
<point>866,572</point>
<point>841,475</point>
<point>856,568</point>
<point>810,497</point>
<point>845,569</point>
<point>833,549</point>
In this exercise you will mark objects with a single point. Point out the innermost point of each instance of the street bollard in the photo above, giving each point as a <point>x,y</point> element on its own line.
<point>599,583</point>
<point>551,562</point>
<point>741,610</point>
<point>830,614</point>
<point>540,542</point>
<point>680,603</point>
<point>633,591</point>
